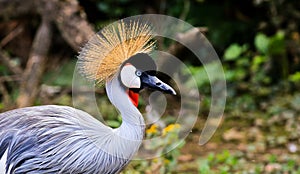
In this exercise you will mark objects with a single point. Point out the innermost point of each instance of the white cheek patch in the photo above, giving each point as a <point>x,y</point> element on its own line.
<point>129,78</point>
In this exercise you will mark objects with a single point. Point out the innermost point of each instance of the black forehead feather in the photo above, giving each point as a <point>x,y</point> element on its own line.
<point>142,62</point>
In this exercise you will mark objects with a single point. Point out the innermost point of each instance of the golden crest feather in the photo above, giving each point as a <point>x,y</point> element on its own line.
<point>102,56</point>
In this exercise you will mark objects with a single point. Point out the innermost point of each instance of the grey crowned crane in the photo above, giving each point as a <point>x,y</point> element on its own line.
<point>62,139</point>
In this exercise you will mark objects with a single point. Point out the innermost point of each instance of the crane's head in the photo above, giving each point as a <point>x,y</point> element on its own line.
<point>138,72</point>
<point>121,49</point>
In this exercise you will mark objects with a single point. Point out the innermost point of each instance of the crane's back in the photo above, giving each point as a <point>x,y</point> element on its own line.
<point>55,139</point>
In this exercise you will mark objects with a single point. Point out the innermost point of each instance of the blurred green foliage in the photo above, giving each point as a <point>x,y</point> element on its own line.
<point>226,162</point>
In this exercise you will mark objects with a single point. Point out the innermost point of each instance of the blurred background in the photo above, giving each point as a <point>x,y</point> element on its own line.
<point>258,42</point>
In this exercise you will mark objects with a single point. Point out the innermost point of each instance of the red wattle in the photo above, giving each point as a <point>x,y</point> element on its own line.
<point>134,97</point>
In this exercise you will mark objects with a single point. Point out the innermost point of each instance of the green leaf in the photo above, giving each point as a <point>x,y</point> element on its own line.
<point>257,61</point>
<point>295,77</point>
<point>233,52</point>
<point>235,74</point>
<point>113,123</point>
<point>277,44</point>
<point>204,167</point>
<point>261,43</point>
<point>272,158</point>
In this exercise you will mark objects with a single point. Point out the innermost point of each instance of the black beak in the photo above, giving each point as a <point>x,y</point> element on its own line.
<point>153,82</point>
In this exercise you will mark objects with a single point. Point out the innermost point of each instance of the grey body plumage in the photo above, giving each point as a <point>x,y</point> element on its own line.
<point>37,136</point>
<point>61,139</point>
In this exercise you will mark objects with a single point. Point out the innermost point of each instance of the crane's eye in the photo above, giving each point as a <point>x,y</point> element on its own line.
<point>138,73</point>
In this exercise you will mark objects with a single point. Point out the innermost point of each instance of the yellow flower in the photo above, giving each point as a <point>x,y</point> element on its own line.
<point>170,128</point>
<point>152,129</point>
<point>155,160</point>
<point>166,161</point>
